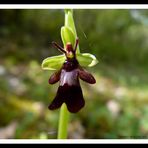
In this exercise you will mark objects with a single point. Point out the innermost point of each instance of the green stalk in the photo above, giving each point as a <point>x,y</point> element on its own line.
<point>63,122</point>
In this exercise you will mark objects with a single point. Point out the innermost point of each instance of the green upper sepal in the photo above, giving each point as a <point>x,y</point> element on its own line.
<point>69,21</point>
<point>67,36</point>
<point>55,62</point>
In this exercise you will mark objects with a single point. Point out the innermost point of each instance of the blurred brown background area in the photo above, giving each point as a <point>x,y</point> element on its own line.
<point>116,106</point>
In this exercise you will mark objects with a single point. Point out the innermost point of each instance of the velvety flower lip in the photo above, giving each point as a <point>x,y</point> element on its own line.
<point>69,90</point>
<point>70,94</point>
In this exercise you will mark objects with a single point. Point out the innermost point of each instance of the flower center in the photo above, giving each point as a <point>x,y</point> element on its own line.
<point>69,50</point>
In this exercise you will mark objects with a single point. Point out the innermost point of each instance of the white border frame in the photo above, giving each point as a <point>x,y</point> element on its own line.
<point>73,6</point>
<point>73,141</point>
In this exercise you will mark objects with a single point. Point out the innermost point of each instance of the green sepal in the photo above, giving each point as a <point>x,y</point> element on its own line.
<point>87,59</point>
<point>67,36</point>
<point>69,21</point>
<point>53,63</point>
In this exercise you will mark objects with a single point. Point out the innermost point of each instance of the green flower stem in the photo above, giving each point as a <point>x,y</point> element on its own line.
<point>63,122</point>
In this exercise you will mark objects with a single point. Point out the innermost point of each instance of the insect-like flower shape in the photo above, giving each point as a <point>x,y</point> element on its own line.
<point>69,90</point>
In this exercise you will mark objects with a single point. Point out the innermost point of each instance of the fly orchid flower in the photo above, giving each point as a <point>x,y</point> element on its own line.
<point>69,90</point>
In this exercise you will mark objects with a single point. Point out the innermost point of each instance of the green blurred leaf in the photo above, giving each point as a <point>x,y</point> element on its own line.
<point>53,63</point>
<point>87,59</point>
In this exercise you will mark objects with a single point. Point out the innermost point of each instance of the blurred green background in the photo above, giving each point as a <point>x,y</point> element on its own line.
<point>116,106</point>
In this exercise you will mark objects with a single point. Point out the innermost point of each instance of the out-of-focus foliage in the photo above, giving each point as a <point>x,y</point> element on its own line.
<point>116,106</point>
